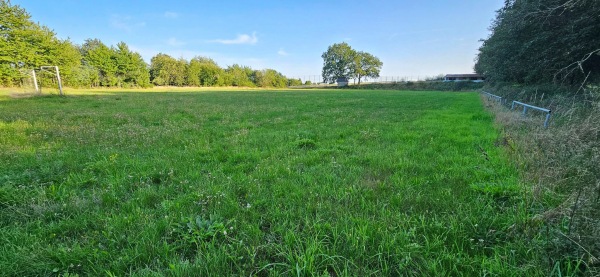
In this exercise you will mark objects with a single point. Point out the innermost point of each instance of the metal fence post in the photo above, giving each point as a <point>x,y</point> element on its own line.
<point>547,119</point>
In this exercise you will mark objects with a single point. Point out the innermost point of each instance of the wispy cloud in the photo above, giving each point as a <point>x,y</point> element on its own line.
<point>240,39</point>
<point>282,52</point>
<point>172,15</point>
<point>175,42</point>
<point>125,23</point>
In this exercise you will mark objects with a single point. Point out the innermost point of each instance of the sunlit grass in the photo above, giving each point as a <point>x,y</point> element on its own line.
<point>257,182</point>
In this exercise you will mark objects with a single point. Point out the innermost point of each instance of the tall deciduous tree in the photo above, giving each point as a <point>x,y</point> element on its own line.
<point>131,68</point>
<point>203,71</point>
<point>167,71</point>
<point>240,76</point>
<point>111,66</point>
<point>269,78</point>
<point>341,61</point>
<point>211,74</point>
<point>338,62</point>
<point>99,56</point>
<point>23,43</point>
<point>534,43</point>
<point>366,65</point>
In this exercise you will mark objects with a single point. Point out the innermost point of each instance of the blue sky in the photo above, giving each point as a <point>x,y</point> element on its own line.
<point>412,38</point>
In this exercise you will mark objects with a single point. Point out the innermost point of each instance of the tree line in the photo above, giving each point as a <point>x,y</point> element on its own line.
<point>26,45</point>
<point>202,71</point>
<point>539,42</point>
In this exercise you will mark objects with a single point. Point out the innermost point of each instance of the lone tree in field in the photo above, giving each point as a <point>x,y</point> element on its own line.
<point>341,61</point>
<point>366,65</point>
<point>338,62</point>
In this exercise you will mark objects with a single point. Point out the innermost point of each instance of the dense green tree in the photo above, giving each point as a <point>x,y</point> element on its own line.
<point>68,58</point>
<point>111,66</point>
<point>366,65</point>
<point>531,43</point>
<point>295,82</point>
<point>131,70</point>
<point>24,45</point>
<point>114,66</point>
<point>269,78</point>
<point>240,76</point>
<point>211,74</point>
<point>193,71</point>
<point>202,71</point>
<point>341,61</point>
<point>99,56</point>
<point>338,62</point>
<point>167,71</point>
<point>85,76</point>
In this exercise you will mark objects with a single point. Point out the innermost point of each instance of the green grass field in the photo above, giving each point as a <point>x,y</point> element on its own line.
<point>265,183</point>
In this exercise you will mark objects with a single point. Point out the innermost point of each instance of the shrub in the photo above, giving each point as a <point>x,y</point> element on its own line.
<point>423,85</point>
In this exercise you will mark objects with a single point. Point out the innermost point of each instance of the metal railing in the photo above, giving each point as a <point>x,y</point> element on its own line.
<point>493,96</point>
<point>527,106</point>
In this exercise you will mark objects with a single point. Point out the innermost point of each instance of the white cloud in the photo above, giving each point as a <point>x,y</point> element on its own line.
<point>282,52</point>
<point>241,39</point>
<point>125,23</point>
<point>169,14</point>
<point>175,42</point>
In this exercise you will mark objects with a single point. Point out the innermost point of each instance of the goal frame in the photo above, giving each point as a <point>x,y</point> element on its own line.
<point>48,68</point>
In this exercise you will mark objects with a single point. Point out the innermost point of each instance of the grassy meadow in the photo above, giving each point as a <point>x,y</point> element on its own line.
<point>259,183</point>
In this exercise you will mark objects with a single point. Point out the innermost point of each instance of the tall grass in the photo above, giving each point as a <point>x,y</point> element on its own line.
<point>563,162</point>
<point>263,183</point>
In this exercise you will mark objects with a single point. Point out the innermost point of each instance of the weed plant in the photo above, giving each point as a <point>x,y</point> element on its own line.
<point>260,183</point>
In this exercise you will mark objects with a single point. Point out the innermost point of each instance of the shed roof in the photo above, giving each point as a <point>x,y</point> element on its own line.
<point>470,75</point>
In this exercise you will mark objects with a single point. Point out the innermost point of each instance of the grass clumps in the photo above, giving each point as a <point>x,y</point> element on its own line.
<point>266,183</point>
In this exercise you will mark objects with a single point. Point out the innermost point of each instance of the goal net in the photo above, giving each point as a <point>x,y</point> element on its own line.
<point>46,80</point>
<point>49,81</point>
<point>29,83</point>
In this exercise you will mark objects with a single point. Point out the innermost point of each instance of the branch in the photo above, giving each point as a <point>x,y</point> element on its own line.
<point>547,12</point>
<point>550,10</point>
<point>575,65</point>
<point>592,258</point>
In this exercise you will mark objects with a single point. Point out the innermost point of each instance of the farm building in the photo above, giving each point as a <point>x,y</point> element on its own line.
<point>464,77</point>
<point>342,81</point>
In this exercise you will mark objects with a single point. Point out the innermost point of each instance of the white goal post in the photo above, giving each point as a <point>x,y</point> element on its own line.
<point>53,69</point>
